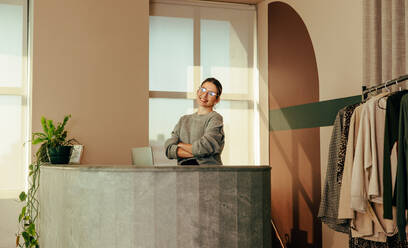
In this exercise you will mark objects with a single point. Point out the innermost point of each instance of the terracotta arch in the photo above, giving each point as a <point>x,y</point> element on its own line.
<point>294,154</point>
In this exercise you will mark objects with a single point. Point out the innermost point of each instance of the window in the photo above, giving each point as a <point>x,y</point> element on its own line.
<point>13,97</point>
<point>193,41</point>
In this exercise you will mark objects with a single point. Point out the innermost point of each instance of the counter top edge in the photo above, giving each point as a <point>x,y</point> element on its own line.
<point>129,168</point>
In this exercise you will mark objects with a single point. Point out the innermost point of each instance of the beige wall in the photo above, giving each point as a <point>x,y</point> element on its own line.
<point>335,28</point>
<point>90,59</point>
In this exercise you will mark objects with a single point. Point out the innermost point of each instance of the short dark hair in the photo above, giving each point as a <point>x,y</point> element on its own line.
<point>216,83</point>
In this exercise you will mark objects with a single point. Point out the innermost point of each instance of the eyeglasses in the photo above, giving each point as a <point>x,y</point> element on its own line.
<point>203,90</point>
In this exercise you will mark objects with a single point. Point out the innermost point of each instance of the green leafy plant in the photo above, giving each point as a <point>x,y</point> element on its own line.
<point>29,213</point>
<point>52,136</point>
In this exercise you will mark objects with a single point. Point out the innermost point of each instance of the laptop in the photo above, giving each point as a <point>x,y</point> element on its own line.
<point>142,156</point>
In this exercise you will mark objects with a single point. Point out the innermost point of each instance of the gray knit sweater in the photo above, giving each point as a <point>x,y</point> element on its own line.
<point>204,132</point>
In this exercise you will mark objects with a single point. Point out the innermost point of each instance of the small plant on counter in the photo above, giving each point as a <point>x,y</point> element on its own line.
<point>55,147</point>
<point>51,139</point>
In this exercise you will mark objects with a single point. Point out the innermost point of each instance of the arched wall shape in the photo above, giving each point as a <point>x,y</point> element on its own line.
<point>294,154</point>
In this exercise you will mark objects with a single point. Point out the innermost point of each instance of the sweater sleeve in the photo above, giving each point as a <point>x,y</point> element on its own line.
<point>212,142</point>
<point>170,145</point>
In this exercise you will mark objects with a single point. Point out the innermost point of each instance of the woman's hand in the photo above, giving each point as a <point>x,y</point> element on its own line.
<point>186,147</point>
<point>184,150</point>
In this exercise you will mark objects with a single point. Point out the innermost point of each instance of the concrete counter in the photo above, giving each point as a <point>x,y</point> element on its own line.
<point>175,206</point>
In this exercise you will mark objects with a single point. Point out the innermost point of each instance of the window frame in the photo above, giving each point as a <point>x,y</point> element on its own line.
<point>251,98</point>
<point>22,91</point>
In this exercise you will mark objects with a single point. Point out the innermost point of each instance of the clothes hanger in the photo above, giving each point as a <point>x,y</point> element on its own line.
<point>388,93</point>
<point>386,87</point>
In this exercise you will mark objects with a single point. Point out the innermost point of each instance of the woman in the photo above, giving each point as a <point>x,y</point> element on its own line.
<point>199,138</point>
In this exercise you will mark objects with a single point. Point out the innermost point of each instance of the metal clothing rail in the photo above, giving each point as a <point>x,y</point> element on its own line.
<point>384,85</point>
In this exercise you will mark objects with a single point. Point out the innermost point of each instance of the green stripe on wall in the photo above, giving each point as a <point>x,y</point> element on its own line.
<point>318,114</point>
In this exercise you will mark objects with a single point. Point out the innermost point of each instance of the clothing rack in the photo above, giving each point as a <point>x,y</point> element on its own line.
<point>384,85</point>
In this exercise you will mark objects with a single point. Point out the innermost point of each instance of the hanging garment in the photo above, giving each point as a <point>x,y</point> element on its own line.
<point>392,242</point>
<point>361,224</point>
<point>390,138</point>
<point>345,211</point>
<point>369,223</point>
<point>348,112</point>
<point>365,182</point>
<point>329,202</point>
<point>401,183</point>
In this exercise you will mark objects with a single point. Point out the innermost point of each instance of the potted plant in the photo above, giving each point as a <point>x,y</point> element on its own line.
<point>53,141</point>
<point>55,148</point>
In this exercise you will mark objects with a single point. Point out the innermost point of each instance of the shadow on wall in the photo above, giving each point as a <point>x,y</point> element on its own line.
<point>296,186</point>
<point>294,154</point>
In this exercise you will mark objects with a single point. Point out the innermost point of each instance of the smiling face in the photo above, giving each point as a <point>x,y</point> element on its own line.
<point>205,98</point>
